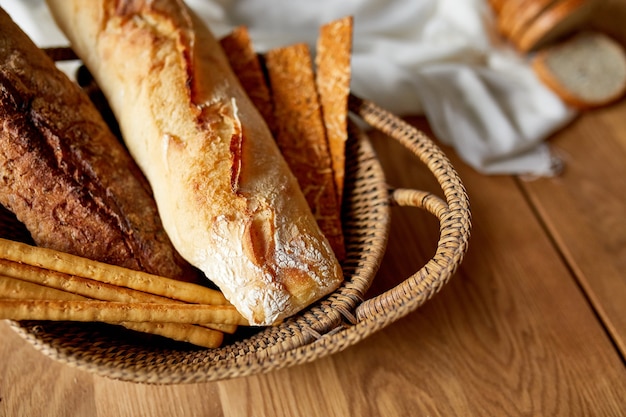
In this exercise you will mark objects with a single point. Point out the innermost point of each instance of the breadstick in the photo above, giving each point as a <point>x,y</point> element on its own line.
<point>15,289</point>
<point>196,335</point>
<point>114,312</point>
<point>73,284</point>
<point>110,274</point>
<point>89,288</point>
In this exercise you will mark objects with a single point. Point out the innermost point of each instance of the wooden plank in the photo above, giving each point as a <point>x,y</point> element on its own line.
<point>585,207</point>
<point>126,399</point>
<point>511,334</point>
<point>313,389</point>
<point>32,384</point>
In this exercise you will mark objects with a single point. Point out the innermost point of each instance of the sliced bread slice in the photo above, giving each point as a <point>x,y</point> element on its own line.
<point>497,5</point>
<point>555,22</point>
<point>528,11</point>
<point>587,70</point>
<point>508,14</point>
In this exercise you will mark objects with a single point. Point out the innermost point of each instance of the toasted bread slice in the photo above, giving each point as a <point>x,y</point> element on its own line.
<point>333,73</point>
<point>247,66</point>
<point>497,5</point>
<point>555,22</point>
<point>508,14</point>
<point>588,70</point>
<point>526,12</point>
<point>301,135</point>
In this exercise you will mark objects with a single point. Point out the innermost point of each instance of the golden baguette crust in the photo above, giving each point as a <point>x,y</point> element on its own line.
<point>63,172</point>
<point>227,199</point>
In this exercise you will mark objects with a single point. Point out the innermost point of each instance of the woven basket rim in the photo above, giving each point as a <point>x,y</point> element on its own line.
<point>270,348</point>
<point>331,325</point>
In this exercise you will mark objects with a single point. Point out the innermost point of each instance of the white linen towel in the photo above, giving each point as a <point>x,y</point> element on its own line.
<point>440,58</point>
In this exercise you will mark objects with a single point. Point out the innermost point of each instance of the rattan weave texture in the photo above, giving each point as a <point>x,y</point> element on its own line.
<point>335,323</point>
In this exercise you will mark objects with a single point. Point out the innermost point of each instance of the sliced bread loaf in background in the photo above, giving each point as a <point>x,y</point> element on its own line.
<point>559,19</point>
<point>588,70</point>
<point>583,66</point>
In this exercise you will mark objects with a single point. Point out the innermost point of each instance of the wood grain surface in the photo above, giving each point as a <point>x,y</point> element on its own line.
<point>532,324</point>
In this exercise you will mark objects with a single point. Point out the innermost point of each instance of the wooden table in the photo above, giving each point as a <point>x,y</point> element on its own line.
<point>532,324</point>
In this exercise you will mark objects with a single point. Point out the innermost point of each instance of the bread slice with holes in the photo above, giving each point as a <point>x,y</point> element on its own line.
<point>587,70</point>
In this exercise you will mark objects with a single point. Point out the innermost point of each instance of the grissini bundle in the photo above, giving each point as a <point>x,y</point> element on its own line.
<point>65,175</point>
<point>226,196</point>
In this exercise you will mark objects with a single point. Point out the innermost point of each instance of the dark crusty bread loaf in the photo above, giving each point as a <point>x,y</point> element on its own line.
<point>65,175</point>
<point>588,70</point>
<point>226,196</point>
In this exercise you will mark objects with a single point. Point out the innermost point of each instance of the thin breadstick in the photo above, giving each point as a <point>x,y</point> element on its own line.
<point>110,274</point>
<point>72,284</point>
<point>197,335</point>
<point>89,288</point>
<point>15,289</point>
<point>113,312</point>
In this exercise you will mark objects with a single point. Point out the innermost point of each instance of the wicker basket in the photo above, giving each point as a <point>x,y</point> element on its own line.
<point>337,322</point>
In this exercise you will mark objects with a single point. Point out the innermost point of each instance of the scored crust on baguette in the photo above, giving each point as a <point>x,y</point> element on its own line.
<point>588,70</point>
<point>332,78</point>
<point>247,66</point>
<point>301,135</point>
<point>556,21</point>
<point>65,175</point>
<point>226,196</point>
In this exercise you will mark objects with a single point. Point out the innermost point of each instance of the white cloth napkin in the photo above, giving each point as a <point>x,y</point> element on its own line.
<point>440,58</point>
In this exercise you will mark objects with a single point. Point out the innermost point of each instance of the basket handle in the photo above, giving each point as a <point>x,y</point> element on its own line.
<point>453,213</point>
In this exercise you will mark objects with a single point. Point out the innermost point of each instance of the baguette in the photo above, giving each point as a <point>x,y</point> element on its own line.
<point>65,175</point>
<point>586,71</point>
<point>227,198</point>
